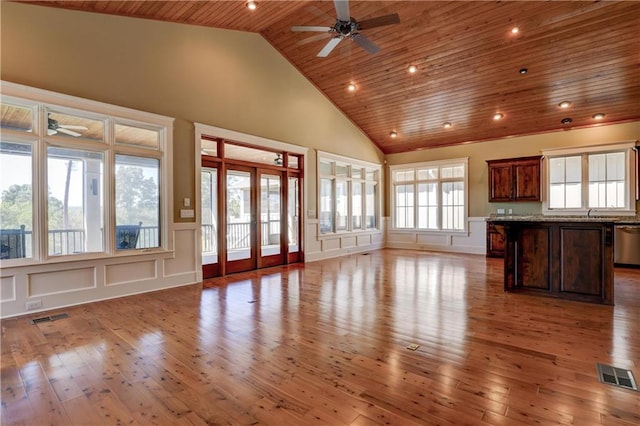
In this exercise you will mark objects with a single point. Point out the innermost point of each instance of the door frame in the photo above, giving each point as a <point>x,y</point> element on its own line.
<point>222,136</point>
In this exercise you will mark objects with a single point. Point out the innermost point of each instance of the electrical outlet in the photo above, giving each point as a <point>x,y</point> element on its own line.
<point>500,211</point>
<point>34,304</point>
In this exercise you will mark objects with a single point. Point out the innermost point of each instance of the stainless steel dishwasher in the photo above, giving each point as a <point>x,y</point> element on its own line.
<point>627,245</point>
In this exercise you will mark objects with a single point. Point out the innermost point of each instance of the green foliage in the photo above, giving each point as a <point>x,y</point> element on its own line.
<point>16,208</point>
<point>137,197</point>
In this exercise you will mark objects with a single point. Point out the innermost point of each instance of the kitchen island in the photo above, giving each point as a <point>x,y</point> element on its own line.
<point>570,258</point>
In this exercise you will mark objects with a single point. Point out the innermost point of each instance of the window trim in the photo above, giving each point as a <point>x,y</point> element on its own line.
<point>350,164</point>
<point>631,179</point>
<point>40,101</point>
<point>425,164</point>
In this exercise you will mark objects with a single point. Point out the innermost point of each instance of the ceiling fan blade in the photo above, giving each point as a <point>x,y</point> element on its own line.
<point>68,132</point>
<point>300,28</point>
<point>51,132</point>
<point>312,39</point>
<point>365,43</point>
<point>329,47</point>
<point>342,10</point>
<point>380,21</point>
<point>71,126</point>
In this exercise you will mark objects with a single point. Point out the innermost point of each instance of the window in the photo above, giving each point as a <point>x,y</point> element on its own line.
<point>137,201</point>
<point>102,185</point>
<point>16,199</point>
<point>75,216</point>
<point>348,195</point>
<point>430,196</point>
<point>600,178</point>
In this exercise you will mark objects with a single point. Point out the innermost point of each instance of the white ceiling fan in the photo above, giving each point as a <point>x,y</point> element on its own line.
<point>348,27</point>
<point>54,127</point>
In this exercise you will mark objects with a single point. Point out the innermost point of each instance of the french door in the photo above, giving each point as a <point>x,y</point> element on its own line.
<point>255,219</point>
<point>258,209</point>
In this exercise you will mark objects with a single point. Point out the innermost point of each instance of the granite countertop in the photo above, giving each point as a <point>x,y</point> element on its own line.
<point>622,220</point>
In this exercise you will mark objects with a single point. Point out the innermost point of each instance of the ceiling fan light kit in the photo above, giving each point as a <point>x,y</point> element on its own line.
<point>347,27</point>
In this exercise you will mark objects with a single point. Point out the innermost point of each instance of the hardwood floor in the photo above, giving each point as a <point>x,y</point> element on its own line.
<point>326,343</point>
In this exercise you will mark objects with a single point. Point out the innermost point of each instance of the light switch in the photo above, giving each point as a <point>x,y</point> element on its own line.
<point>187,213</point>
<point>187,202</point>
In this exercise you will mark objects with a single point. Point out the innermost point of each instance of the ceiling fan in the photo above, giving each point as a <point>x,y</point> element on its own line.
<point>348,27</point>
<point>54,127</point>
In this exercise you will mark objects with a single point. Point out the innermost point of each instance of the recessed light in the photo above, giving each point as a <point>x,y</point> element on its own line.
<point>523,71</point>
<point>515,30</point>
<point>598,116</point>
<point>251,5</point>
<point>564,104</point>
<point>412,69</point>
<point>447,125</point>
<point>393,134</point>
<point>351,87</point>
<point>498,116</point>
<point>566,120</point>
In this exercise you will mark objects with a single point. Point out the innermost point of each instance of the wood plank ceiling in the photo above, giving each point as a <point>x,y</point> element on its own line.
<point>468,62</point>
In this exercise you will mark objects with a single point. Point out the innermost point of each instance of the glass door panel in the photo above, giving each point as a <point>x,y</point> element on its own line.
<point>270,217</point>
<point>209,215</point>
<point>239,215</point>
<point>293,215</point>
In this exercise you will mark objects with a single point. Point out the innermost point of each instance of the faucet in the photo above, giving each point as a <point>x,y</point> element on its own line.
<point>589,212</point>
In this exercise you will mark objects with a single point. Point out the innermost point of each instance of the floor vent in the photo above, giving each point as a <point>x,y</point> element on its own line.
<point>616,376</point>
<point>50,318</point>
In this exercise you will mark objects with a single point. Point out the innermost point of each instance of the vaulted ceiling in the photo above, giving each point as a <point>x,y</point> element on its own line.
<point>469,63</point>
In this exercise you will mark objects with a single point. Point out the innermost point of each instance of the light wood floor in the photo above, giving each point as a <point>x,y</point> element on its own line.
<point>326,344</point>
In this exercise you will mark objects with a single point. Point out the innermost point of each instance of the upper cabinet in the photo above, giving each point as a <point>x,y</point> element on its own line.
<point>514,179</point>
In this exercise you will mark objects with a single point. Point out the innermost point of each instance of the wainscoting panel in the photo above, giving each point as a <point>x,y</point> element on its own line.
<point>7,288</point>
<point>122,273</point>
<point>56,282</point>
<point>326,246</point>
<point>47,286</point>
<point>184,261</point>
<point>472,241</point>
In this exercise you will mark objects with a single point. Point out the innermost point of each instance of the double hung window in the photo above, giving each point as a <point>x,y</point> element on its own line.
<point>430,196</point>
<point>598,178</point>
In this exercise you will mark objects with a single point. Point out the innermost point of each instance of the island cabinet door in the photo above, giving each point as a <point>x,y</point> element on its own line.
<point>584,255</point>
<point>533,264</point>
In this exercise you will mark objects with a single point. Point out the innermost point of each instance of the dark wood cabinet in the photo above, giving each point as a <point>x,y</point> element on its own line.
<point>514,179</point>
<point>560,259</point>
<point>495,240</point>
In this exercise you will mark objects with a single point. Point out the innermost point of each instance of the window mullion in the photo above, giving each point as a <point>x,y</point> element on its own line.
<point>439,202</point>
<point>585,181</point>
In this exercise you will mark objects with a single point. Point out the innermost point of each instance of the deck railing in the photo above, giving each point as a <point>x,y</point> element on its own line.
<point>70,241</point>
<point>238,235</point>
